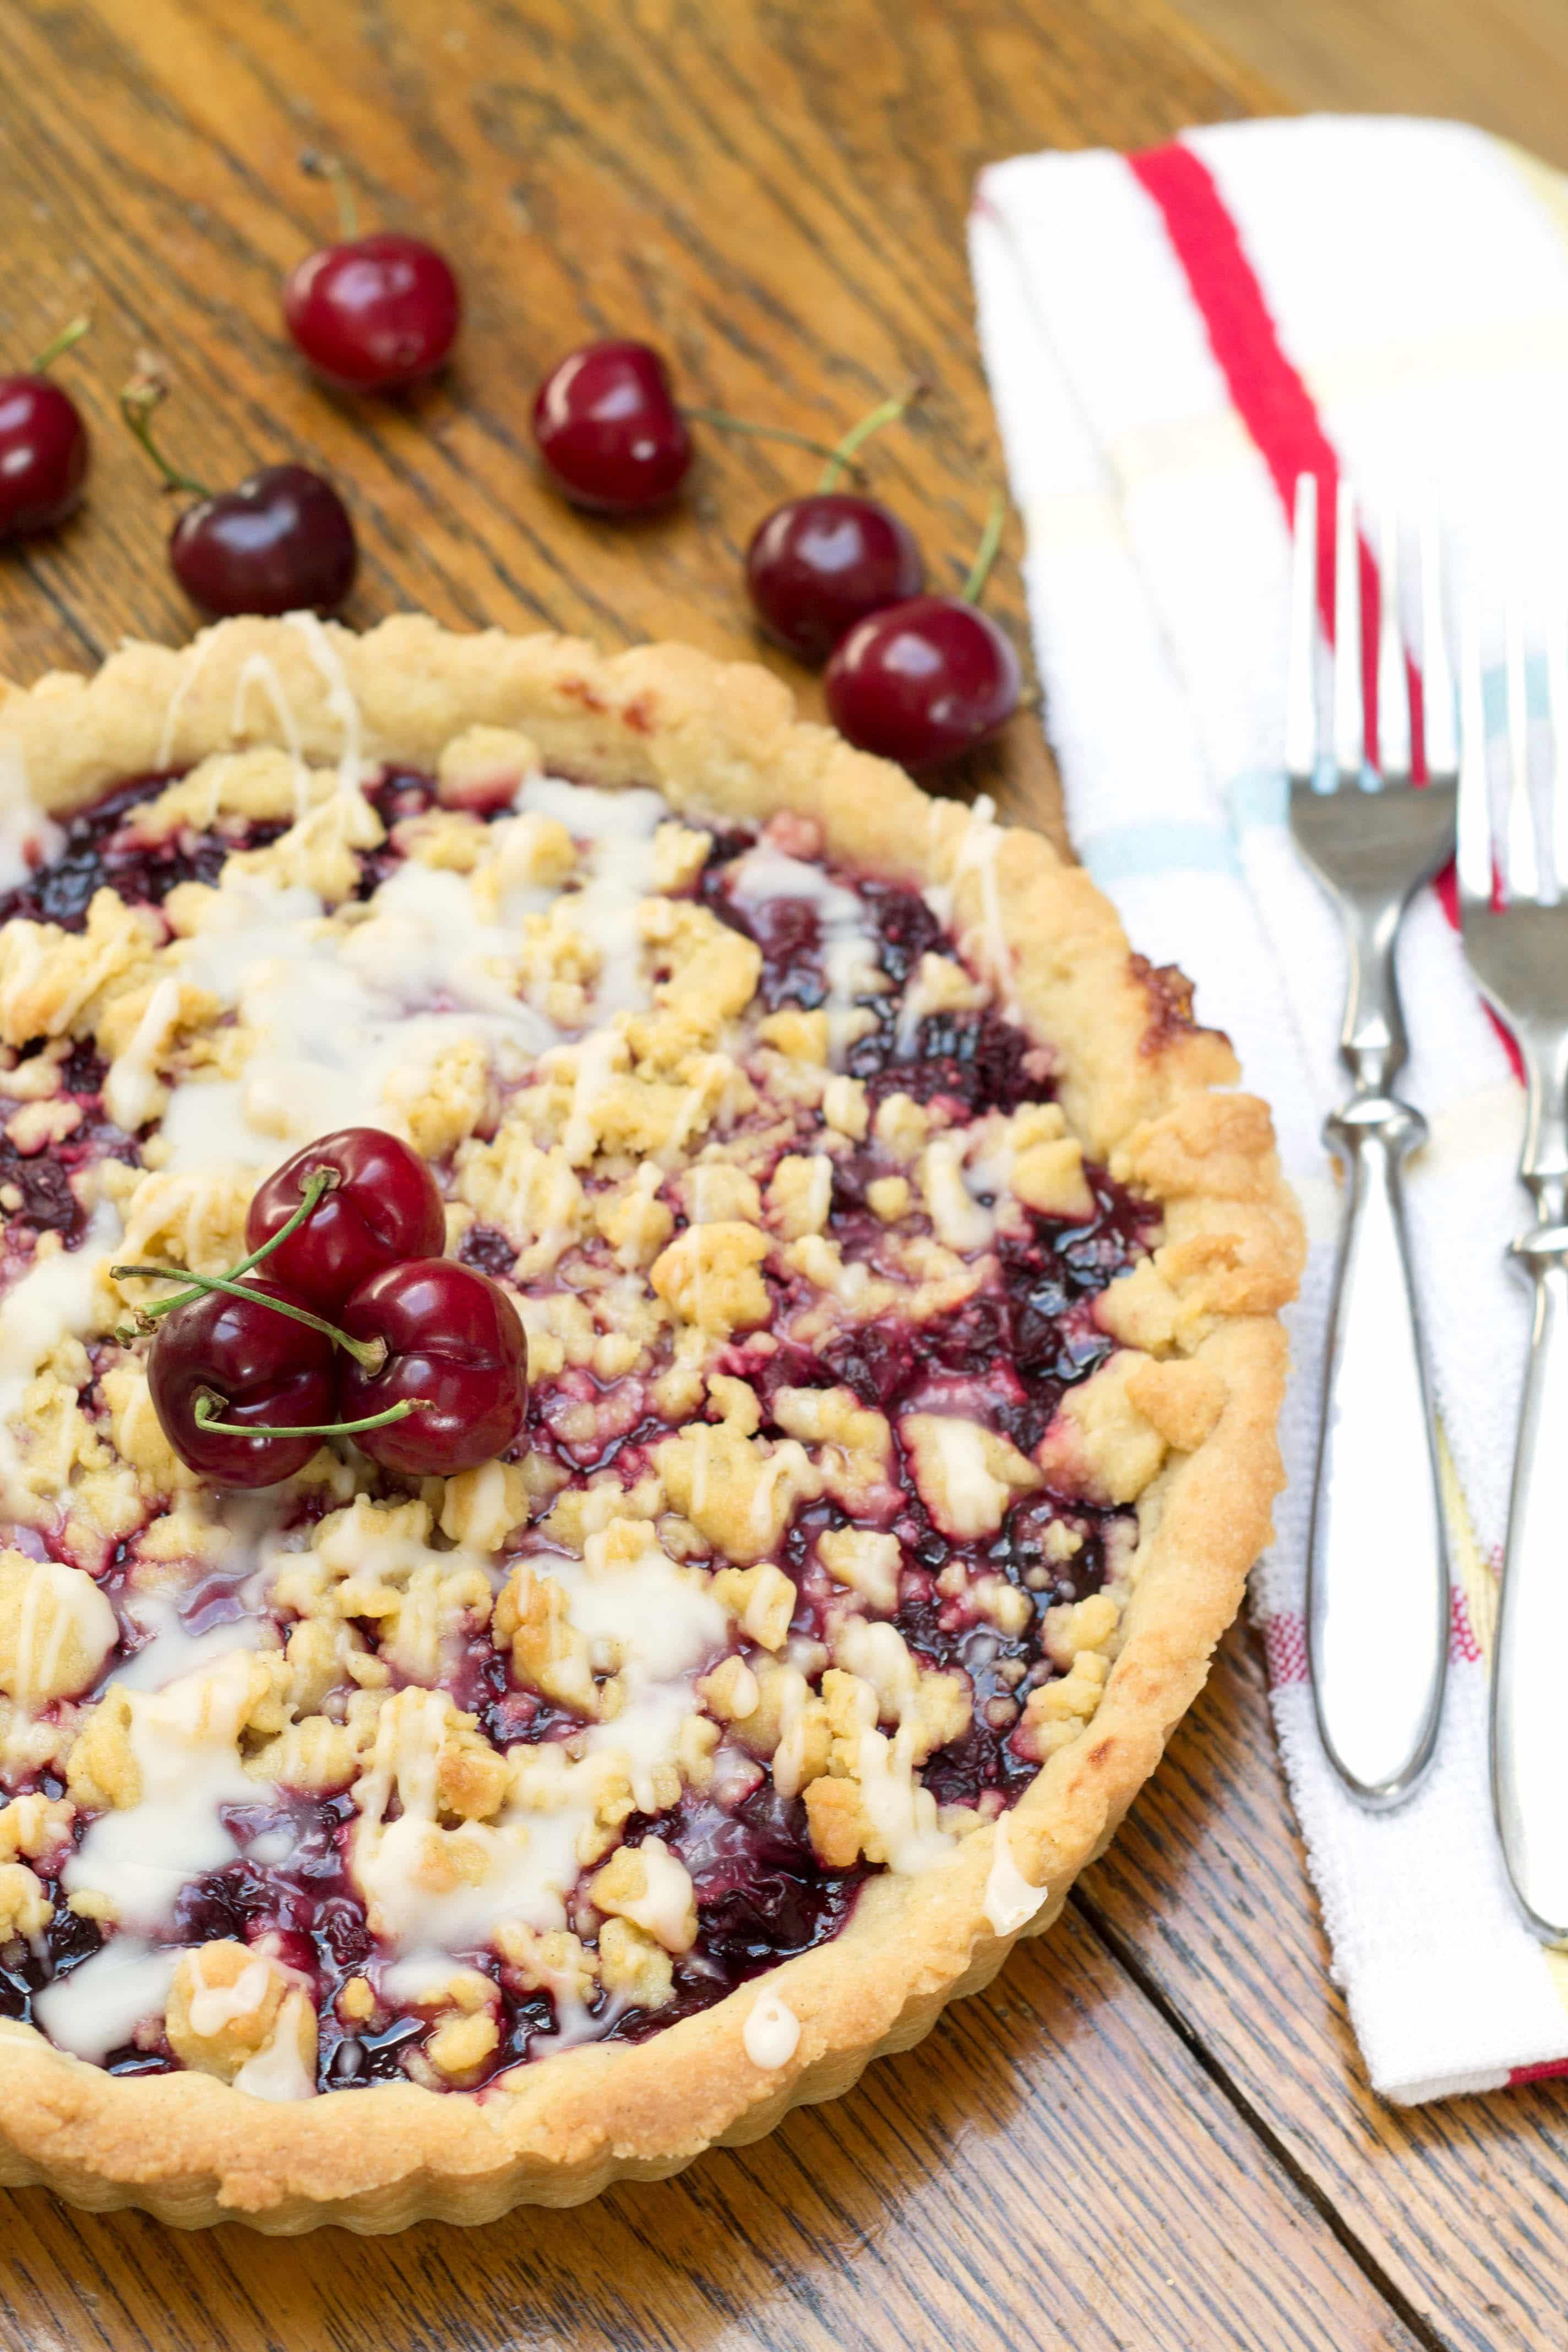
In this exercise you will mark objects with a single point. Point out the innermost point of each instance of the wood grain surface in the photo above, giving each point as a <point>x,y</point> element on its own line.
<point>1153,2133</point>
<point>1501,63</point>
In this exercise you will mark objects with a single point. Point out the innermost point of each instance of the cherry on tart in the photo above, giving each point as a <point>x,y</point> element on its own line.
<point>282,541</point>
<point>925,681</point>
<point>43,446</point>
<point>377,313</point>
<point>228,1355</point>
<point>818,565</point>
<point>457,1355</point>
<point>380,1204</point>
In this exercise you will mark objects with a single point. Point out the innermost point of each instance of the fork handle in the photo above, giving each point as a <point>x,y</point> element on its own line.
<point>1529,1663</point>
<point>1377,1576</point>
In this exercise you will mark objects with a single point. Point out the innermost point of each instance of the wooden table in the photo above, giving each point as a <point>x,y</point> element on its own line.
<point>1154,2132</point>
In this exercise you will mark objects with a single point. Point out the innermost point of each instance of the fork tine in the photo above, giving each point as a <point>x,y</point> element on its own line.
<point>1349,726</point>
<point>1437,678</point>
<point>1475,817</point>
<point>1557,693</point>
<point>1393,697</point>
<point>1521,874</point>
<point>1300,677</point>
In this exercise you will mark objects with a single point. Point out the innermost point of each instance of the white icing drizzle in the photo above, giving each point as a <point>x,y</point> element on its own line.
<point>771,2033</point>
<point>54,1300</point>
<point>848,934</point>
<point>260,669</point>
<point>342,1022</point>
<point>977,851</point>
<point>527,1860</point>
<point>337,1020</point>
<point>76,1611</point>
<point>340,699</point>
<point>278,2072</point>
<point>171,1652</point>
<point>1010,1901</point>
<point>130,1089</point>
<point>960,1220</point>
<point>191,668</point>
<point>29,838</point>
<point>212,2007</point>
<point>662,1909</point>
<point>619,827</point>
<point>184,1741</point>
<point>98,2005</point>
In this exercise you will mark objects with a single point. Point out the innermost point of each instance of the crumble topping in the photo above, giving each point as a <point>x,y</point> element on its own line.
<point>815,1545</point>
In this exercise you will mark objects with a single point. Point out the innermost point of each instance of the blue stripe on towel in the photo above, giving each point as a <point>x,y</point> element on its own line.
<point>1130,852</point>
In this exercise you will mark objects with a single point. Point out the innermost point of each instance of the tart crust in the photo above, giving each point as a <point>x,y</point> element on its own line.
<point>1140,1088</point>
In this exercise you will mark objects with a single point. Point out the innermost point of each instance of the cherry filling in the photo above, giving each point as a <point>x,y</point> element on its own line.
<point>761,1896</point>
<point>102,851</point>
<point>1008,1352</point>
<point>46,1202</point>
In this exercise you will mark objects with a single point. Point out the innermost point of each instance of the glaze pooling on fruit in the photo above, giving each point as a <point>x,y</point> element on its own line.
<point>783,1586</point>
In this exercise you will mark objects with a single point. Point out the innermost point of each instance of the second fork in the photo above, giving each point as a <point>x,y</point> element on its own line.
<point>1377,1579</point>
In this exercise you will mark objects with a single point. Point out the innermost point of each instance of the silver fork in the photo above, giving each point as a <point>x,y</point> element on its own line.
<point>1377,1576</point>
<point>1517,941</point>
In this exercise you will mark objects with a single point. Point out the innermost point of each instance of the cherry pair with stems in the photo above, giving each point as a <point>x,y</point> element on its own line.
<point>424,1361</point>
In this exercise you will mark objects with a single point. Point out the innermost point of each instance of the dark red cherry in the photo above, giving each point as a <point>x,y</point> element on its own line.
<point>282,542</point>
<point>923,681</point>
<point>816,565</point>
<point>261,1368</point>
<point>608,430</point>
<point>42,444</point>
<point>385,1206</point>
<point>374,313</point>
<point>456,1349</point>
<point>43,454</point>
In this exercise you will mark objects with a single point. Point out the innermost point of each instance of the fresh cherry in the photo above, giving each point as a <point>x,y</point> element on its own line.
<point>818,565</point>
<point>376,315</point>
<point>280,542</point>
<point>608,429</point>
<point>43,446</point>
<point>237,1359</point>
<point>381,1206</point>
<point>372,313</point>
<point>923,681</point>
<point>455,1351</point>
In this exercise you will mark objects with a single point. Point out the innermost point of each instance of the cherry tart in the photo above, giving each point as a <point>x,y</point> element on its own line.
<point>637,1370</point>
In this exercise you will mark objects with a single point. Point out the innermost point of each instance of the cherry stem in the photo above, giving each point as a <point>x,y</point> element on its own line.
<point>137,400</point>
<point>729,423</point>
<point>68,335</point>
<point>986,553</point>
<point>333,169</point>
<point>371,1354</point>
<point>204,1418</point>
<point>887,411</point>
<point>320,1180</point>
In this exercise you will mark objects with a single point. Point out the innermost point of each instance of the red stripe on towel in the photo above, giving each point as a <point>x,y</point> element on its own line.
<point>1266,386</point>
<point>1285,1647</point>
<point>1541,2074</point>
<point>1278,410</point>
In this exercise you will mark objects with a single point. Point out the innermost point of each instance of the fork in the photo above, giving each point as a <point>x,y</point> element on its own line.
<point>1516,936</point>
<point>1377,1570</point>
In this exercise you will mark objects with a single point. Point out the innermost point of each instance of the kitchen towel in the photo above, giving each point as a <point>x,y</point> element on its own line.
<point>1170,339</point>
